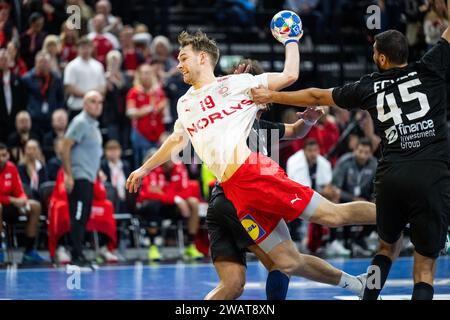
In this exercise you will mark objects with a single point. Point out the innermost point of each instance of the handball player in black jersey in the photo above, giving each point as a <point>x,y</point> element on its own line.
<point>408,104</point>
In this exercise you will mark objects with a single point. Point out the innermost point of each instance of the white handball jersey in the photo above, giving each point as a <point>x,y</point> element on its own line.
<point>218,117</point>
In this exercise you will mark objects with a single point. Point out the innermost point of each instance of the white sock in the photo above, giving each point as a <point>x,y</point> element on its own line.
<point>350,282</point>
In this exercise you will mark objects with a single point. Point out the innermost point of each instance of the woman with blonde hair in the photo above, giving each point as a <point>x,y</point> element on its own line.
<point>68,42</point>
<point>52,47</point>
<point>146,103</point>
<point>31,169</point>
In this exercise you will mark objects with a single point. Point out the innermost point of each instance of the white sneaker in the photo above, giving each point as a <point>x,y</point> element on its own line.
<point>363,279</point>
<point>336,249</point>
<point>62,256</point>
<point>108,256</point>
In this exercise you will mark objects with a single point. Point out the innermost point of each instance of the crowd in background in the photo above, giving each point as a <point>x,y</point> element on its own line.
<point>47,67</point>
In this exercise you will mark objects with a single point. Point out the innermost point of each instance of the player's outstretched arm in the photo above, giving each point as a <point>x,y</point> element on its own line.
<point>173,144</point>
<point>301,98</point>
<point>446,34</point>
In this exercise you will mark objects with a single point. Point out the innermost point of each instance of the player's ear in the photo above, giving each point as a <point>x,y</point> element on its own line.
<point>203,57</point>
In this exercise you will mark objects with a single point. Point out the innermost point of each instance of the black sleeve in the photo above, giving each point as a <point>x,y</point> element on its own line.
<point>437,59</point>
<point>349,96</point>
<point>268,125</point>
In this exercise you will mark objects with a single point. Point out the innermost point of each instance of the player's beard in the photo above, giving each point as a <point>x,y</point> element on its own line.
<point>380,69</point>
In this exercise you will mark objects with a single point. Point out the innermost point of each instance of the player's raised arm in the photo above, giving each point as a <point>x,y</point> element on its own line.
<point>286,27</point>
<point>173,144</point>
<point>280,80</point>
<point>446,34</point>
<point>301,98</point>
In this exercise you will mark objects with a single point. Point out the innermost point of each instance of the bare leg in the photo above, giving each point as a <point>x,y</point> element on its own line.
<point>32,227</point>
<point>292,262</point>
<point>424,269</point>
<point>194,218</point>
<point>232,279</point>
<point>337,215</point>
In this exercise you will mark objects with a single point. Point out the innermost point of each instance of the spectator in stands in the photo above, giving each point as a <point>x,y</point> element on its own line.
<point>52,11</point>
<point>82,151</point>
<point>16,63</point>
<point>13,203</point>
<point>82,75</point>
<point>165,189</point>
<point>309,168</point>
<point>174,88</point>
<point>116,171</point>
<point>103,41</point>
<point>8,27</point>
<point>132,58</point>
<point>68,39</point>
<point>54,164</point>
<point>31,41</point>
<point>44,91</point>
<point>354,175</point>
<point>23,133</point>
<point>117,85</point>
<point>113,24</point>
<point>11,97</point>
<point>32,169</point>
<point>436,21</point>
<point>60,119</point>
<point>239,13</point>
<point>142,40</point>
<point>52,47</point>
<point>161,52</point>
<point>86,14</point>
<point>146,102</point>
<point>312,18</point>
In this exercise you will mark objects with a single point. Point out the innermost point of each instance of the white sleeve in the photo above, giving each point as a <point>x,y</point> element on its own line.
<point>70,75</point>
<point>262,80</point>
<point>101,75</point>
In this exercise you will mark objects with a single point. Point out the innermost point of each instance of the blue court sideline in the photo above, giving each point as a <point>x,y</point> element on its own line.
<point>193,281</point>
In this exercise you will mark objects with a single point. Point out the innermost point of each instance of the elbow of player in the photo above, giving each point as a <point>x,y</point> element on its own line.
<point>291,78</point>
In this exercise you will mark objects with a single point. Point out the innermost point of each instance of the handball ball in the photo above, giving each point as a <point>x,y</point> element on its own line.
<point>285,24</point>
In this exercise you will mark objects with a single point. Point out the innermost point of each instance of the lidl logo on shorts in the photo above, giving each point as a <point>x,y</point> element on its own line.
<point>253,229</point>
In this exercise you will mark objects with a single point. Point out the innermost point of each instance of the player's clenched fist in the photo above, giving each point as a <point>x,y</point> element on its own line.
<point>134,181</point>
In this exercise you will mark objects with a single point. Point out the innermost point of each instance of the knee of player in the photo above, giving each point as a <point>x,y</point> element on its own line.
<point>288,265</point>
<point>234,287</point>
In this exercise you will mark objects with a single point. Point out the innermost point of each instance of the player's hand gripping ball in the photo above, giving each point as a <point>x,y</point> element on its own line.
<point>286,26</point>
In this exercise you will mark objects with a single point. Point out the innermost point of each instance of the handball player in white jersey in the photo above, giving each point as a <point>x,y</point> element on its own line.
<point>216,115</point>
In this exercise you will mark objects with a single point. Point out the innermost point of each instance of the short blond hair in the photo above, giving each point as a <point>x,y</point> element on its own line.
<point>200,42</point>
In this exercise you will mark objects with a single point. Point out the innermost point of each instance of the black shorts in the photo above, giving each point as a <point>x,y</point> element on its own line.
<point>227,236</point>
<point>417,193</point>
<point>10,214</point>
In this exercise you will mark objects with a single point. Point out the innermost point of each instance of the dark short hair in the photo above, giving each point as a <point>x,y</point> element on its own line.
<point>394,45</point>
<point>35,16</point>
<point>364,142</point>
<point>3,146</point>
<point>255,66</point>
<point>310,142</point>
